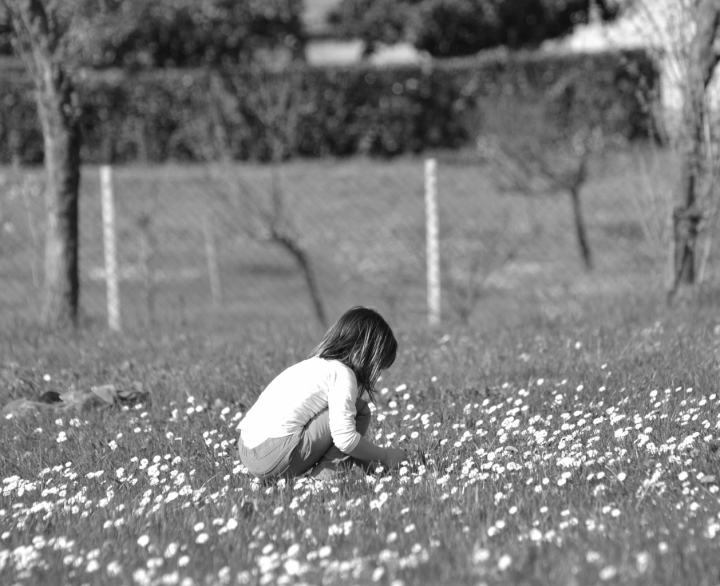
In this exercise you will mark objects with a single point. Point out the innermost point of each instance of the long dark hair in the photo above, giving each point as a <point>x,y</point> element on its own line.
<point>363,341</point>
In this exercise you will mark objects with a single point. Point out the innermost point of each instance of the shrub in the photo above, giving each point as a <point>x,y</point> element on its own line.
<point>200,115</point>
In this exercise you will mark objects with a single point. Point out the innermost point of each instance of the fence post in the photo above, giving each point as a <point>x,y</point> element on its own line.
<point>432,238</point>
<point>111,268</point>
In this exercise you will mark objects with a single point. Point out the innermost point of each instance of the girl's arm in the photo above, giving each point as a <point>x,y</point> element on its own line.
<point>342,406</point>
<point>369,452</point>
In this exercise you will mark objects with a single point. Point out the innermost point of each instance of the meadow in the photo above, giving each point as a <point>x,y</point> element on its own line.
<point>577,448</point>
<point>361,223</point>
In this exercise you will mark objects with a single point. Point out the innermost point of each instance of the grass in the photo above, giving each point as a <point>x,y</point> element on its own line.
<point>362,223</point>
<point>580,448</point>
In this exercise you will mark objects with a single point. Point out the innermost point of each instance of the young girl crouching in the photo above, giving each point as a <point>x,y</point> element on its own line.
<point>313,414</point>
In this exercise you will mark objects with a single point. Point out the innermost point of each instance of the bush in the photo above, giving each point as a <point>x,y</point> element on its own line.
<point>200,115</point>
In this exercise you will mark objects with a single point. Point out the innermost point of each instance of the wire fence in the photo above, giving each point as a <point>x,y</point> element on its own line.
<point>230,244</point>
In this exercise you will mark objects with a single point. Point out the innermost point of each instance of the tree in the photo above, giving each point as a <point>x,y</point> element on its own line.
<point>533,159</point>
<point>180,33</point>
<point>277,105</point>
<point>56,37</point>
<point>456,27</point>
<point>685,35</point>
<point>703,57</point>
<point>448,28</point>
<point>40,28</point>
<point>189,33</point>
<point>5,32</point>
<point>527,23</point>
<point>374,22</point>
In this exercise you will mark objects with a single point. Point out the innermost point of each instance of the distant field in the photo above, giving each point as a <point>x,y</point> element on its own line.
<point>361,221</point>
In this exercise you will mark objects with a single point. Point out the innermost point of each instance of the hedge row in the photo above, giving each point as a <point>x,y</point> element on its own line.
<point>199,115</point>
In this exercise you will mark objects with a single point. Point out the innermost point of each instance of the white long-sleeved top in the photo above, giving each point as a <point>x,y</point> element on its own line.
<point>299,393</point>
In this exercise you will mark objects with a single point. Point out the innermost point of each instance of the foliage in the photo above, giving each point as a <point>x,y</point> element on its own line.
<point>457,27</point>
<point>447,28</point>
<point>176,33</point>
<point>373,21</point>
<point>5,32</point>
<point>175,114</point>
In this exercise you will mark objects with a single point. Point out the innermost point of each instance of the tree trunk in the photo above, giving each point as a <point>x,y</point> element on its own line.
<point>581,231</point>
<point>61,294</point>
<point>687,216</point>
<point>290,243</point>
<point>39,39</point>
<point>686,222</point>
<point>301,257</point>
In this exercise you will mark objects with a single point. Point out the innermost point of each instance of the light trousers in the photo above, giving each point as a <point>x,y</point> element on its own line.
<point>294,455</point>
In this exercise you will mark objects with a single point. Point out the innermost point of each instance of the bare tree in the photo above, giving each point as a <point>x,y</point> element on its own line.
<point>468,282</point>
<point>249,212</point>
<point>534,167</point>
<point>684,35</point>
<point>653,202</point>
<point>40,36</point>
<point>274,105</point>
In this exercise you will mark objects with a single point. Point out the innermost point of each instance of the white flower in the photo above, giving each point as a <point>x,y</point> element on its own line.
<point>480,555</point>
<point>293,550</point>
<point>143,540</point>
<point>93,566</point>
<point>643,561</point>
<point>593,557</point>
<point>504,562</point>
<point>202,538</point>
<point>171,550</point>
<point>293,567</point>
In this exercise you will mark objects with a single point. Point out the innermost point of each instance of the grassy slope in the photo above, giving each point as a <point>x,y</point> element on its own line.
<point>605,485</point>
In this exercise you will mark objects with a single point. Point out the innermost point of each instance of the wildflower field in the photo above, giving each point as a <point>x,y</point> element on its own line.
<point>582,449</point>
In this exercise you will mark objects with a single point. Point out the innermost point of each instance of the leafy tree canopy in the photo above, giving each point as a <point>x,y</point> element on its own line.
<point>5,32</point>
<point>175,33</point>
<point>373,21</point>
<point>447,28</point>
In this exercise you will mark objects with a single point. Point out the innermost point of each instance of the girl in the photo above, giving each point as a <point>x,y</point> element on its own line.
<point>312,416</point>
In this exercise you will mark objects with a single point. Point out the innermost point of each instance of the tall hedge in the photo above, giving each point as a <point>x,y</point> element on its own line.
<point>200,115</point>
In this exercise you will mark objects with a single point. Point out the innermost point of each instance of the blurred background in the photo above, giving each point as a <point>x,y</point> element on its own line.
<point>268,158</point>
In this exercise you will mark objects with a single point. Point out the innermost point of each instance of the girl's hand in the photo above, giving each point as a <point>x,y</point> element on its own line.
<point>393,458</point>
